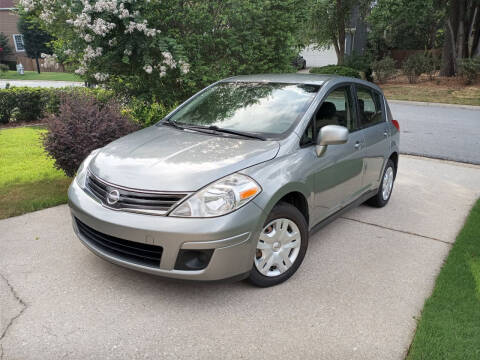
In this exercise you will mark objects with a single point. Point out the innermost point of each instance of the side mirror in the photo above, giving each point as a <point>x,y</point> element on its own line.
<point>331,135</point>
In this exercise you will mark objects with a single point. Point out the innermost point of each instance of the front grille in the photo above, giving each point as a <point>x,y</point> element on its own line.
<point>131,251</point>
<point>143,201</point>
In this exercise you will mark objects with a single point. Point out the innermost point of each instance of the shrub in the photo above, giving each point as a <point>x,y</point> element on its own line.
<point>83,124</point>
<point>31,104</point>
<point>146,113</point>
<point>469,69</point>
<point>336,69</point>
<point>384,69</point>
<point>414,66</point>
<point>4,68</point>
<point>361,63</point>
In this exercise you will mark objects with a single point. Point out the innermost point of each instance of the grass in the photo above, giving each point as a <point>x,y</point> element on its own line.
<point>28,180</point>
<point>468,95</point>
<point>450,324</point>
<point>33,75</point>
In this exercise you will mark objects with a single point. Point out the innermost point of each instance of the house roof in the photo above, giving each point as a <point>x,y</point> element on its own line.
<point>7,4</point>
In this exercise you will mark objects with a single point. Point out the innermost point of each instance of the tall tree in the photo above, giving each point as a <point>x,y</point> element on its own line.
<point>34,39</point>
<point>462,34</point>
<point>328,21</point>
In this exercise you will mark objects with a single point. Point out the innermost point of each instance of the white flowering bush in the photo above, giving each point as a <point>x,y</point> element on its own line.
<point>108,38</point>
<point>166,50</point>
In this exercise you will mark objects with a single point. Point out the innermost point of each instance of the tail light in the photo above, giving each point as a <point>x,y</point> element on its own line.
<point>396,124</point>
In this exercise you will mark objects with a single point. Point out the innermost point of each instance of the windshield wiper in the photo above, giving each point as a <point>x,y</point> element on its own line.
<point>226,131</point>
<point>173,124</point>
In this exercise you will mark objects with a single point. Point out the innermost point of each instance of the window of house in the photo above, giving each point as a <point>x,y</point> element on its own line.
<point>18,40</point>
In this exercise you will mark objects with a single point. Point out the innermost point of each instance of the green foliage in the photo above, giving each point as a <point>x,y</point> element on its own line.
<point>4,68</point>
<point>147,113</point>
<point>34,38</point>
<point>337,70</point>
<point>407,24</point>
<point>469,69</point>
<point>384,69</point>
<point>361,63</point>
<point>414,66</point>
<point>31,104</point>
<point>5,48</point>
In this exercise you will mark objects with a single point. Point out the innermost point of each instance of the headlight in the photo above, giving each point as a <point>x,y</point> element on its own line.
<point>81,172</point>
<point>219,198</point>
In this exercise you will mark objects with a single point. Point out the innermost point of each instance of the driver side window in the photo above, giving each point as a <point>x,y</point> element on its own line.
<point>337,109</point>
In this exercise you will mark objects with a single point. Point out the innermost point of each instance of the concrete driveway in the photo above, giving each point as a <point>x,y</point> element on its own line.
<point>356,296</point>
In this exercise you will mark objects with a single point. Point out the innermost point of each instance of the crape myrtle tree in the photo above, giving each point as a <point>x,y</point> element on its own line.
<point>35,40</point>
<point>166,50</point>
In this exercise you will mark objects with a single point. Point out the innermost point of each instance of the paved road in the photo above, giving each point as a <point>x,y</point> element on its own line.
<point>39,83</point>
<point>445,132</point>
<point>364,279</point>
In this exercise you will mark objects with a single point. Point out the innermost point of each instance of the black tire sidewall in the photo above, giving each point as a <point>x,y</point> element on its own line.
<point>288,211</point>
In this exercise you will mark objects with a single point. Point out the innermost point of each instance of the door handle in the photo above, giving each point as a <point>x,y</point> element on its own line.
<point>385,134</point>
<point>357,145</point>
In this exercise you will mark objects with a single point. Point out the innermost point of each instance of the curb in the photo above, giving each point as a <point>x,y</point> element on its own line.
<point>420,103</point>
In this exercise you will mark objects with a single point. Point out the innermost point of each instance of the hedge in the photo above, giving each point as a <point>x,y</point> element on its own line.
<point>337,70</point>
<point>31,104</point>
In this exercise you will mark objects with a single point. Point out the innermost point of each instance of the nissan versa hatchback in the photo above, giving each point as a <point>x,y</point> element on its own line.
<point>232,182</point>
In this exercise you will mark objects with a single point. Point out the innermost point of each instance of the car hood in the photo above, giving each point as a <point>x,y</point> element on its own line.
<point>167,159</point>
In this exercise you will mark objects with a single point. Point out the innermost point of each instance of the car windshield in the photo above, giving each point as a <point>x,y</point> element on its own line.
<point>268,109</point>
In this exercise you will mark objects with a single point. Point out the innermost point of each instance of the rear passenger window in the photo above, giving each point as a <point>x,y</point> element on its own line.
<point>369,106</point>
<point>337,109</point>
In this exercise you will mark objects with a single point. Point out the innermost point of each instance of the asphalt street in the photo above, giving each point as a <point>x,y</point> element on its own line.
<point>356,296</point>
<point>439,131</point>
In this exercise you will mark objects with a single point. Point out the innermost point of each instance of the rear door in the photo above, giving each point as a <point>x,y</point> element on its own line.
<point>374,127</point>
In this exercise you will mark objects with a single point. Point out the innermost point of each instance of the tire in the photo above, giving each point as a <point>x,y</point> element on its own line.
<point>282,254</point>
<point>379,200</point>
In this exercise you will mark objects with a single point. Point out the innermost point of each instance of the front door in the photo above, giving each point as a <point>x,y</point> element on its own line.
<point>339,171</point>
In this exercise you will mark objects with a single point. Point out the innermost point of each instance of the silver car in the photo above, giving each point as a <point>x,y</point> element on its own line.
<point>231,184</point>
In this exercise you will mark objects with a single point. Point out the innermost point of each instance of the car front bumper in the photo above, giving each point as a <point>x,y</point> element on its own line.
<point>231,237</point>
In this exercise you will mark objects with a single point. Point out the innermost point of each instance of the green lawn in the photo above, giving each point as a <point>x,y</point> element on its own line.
<point>28,180</point>
<point>450,324</point>
<point>33,75</point>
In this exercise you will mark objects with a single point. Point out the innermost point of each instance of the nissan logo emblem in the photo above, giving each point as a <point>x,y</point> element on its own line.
<point>113,197</point>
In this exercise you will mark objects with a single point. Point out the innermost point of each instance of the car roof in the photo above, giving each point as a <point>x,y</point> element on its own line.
<point>297,78</point>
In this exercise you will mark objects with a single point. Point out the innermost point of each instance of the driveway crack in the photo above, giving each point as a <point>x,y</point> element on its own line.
<point>400,231</point>
<point>12,320</point>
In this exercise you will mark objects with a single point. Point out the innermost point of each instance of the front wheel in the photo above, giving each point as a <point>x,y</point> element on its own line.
<point>386,187</point>
<point>281,246</point>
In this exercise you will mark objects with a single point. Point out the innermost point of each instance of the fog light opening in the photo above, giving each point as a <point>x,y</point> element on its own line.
<point>192,260</point>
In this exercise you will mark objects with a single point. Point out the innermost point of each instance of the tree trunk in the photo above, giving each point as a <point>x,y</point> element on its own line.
<point>449,53</point>
<point>341,32</point>
<point>472,34</point>
<point>461,30</point>
<point>38,65</point>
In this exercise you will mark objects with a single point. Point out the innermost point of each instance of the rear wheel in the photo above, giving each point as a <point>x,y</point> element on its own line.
<point>281,246</point>
<point>386,187</point>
